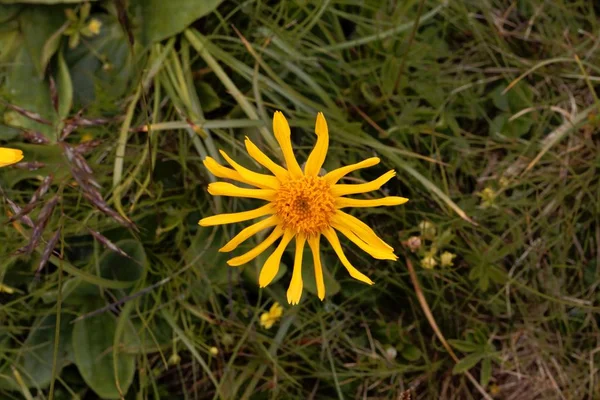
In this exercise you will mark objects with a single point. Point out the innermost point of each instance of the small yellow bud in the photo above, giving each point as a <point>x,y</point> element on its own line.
<point>446,259</point>
<point>213,351</point>
<point>269,318</point>
<point>428,230</point>
<point>94,26</point>
<point>174,359</point>
<point>428,262</point>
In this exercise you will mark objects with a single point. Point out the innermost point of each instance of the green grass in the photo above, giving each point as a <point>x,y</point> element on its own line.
<point>487,112</point>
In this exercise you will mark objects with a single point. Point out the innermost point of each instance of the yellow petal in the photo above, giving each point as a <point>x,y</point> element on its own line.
<point>222,219</point>
<point>317,156</point>
<point>373,251</point>
<point>249,231</point>
<point>361,230</point>
<point>343,190</point>
<point>271,267</point>
<point>331,236</point>
<point>227,189</point>
<point>337,174</point>
<point>9,156</point>
<point>220,171</point>
<point>281,128</point>
<point>265,161</point>
<point>343,202</point>
<point>254,178</point>
<point>313,242</point>
<point>294,292</point>
<point>255,252</point>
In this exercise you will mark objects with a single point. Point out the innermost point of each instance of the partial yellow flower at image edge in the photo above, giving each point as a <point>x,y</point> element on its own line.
<point>9,156</point>
<point>301,204</point>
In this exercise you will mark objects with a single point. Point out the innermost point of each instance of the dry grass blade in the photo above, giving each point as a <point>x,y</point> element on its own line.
<point>47,253</point>
<point>107,243</point>
<point>23,212</point>
<point>30,165</point>
<point>28,114</point>
<point>40,224</point>
<point>436,329</point>
<point>34,137</point>
<point>41,191</point>
<point>16,210</point>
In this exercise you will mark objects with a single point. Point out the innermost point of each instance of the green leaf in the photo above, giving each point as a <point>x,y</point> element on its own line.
<point>500,100</point>
<point>38,350</point>
<point>116,267</point>
<point>467,363</point>
<point>162,19</point>
<point>39,25</point>
<point>486,372</point>
<point>464,345</point>
<point>29,91</point>
<point>209,99</point>
<point>93,348</point>
<point>411,352</point>
<point>10,41</point>
<point>65,88</point>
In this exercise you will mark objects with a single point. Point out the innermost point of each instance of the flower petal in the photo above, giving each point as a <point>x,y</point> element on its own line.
<point>228,189</point>
<point>281,128</point>
<point>271,267</point>
<point>261,158</point>
<point>337,174</point>
<point>317,156</point>
<point>343,190</point>
<point>313,242</point>
<point>248,232</point>
<point>343,202</point>
<point>294,292</point>
<point>10,156</point>
<point>220,171</point>
<point>332,237</point>
<point>361,230</point>
<point>222,219</point>
<point>255,252</point>
<point>254,178</point>
<point>375,252</point>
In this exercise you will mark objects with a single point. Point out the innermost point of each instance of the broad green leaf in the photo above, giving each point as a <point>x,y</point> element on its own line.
<point>467,363</point>
<point>8,12</point>
<point>162,19</point>
<point>65,88</point>
<point>47,2</point>
<point>100,81</point>
<point>38,25</point>
<point>411,352</point>
<point>93,348</point>
<point>209,99</point>
<point>29,91</point>
<point>10,40</point>
<point>114,266</point>
<point>38,350</point>
<point>464,345</point>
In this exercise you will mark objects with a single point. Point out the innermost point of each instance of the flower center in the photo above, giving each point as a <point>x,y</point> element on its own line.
<point>305,205</point>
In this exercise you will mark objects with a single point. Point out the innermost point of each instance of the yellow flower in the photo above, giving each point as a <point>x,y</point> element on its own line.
<point>94,26</point>
<point>488,195</point>
<point>9,156</point>
<point>446,259</point>
<point>428,262</point>
<point>301,204</point>
<point>267,319</point>
<point>428,230</point>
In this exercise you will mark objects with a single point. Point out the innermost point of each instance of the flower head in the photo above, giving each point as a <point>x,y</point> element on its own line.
<point>447,259</point>
<point>94,26</point>
<point>9,156</point>
<point>301,204</point>
<point>267,319</point>
<point>428,262</point>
